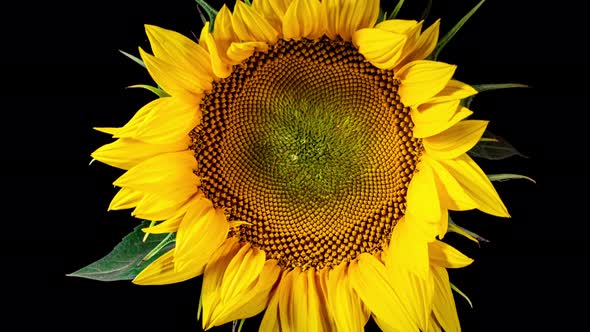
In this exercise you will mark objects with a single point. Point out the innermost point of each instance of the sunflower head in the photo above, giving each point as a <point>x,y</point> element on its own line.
<point>306,157</point>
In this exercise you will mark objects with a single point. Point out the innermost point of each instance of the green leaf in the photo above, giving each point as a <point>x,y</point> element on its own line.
<point>127,258</point>
<point>507,176</point>
<point>490,87</point>
<point>494,149</point>
<point>211,12</point>
<point>159,92</point>
<point>396,10</point>
<point>134,58</point>
<point>447,38</point>
<point>453,287</point>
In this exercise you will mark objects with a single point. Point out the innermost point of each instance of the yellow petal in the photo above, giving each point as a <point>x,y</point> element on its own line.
<point>127,153</point>
<point>349,312</point>
<point>452,195</point>
<point>456,140</point>
<point>162,272</point>
<point>382,48</point>
<point>166,174</point>
<point>129,130</point>
<point>249,25</point>
<point>454,90</point>
<point>174,80</point>
<point>220,64</point>
<point>171,224</point>
<point>175,48</point>
<point>125,199</point>
<point>410,28</point>
<point>443,304</point>
<point>423,202</point>
<point>213,276</point>
<point>421,80</point>
<point>368,277</point>
<point>415,293</point>
<point>250,302</point>
<point>170,122</point>
<point>200,233</point>
<point>158,207</point>
<point>239,52</point>
<point>107,130</point>
<point>344,17</point>
<point>437,118</point>
<point>442,254</point>
<point>476,184</point>
<point>224,30</point>
<point>271,317</point>
<point>426,43</point>
<point>273,11</point>
<point>242,271</point>
<point>408,250</point>
<point>304,19</point>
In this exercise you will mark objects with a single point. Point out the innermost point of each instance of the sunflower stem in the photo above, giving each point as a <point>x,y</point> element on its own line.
<point>447,38</point>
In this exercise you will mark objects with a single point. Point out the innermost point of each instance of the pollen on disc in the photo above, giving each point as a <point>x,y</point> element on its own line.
<point>310,145</point>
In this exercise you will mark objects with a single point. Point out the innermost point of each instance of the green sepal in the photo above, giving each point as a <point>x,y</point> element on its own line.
<point>157,91</point>
<point>426,11</point>
<point>382,16</point>
<point>134,58</point>
<point>237,325</point>
<point>396,10</point>
<point>453,287</point>
<point>466,233</point>
<point>494,147</point>
<point>248,2</point>
<point>126,260</point>
<point>211,12</point>
<point>508,176</point>
<point>490,87</point>
<point>447,38</point>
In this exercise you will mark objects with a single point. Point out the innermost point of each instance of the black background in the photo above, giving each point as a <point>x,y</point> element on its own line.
<point>62,75</point>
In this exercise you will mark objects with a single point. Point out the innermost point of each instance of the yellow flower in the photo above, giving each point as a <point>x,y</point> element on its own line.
<point>306,158</point>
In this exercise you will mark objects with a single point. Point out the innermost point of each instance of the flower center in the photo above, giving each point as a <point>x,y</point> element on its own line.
<point>309,144</point>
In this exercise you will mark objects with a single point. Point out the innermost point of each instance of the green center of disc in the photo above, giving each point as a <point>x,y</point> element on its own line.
<point>312,147</point>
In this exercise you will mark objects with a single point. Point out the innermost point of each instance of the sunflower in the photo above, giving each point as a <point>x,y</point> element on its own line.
<point>306,158</point>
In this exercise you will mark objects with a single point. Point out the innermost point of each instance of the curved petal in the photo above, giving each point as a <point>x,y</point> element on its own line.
<point>452,195</point>
<point>200,233</point>
<point>172,223</point>
<point>127,153</point>
<point>158,207</point>
<point>252,301</point>
<point>173,47</point>
<point>476,184</point>
<point>382,48</point>
<point>221,66</point>
<point>249,25</point>
<point>349,312</point>
<point>170,122</point>
<point>456,140</point>
<point>270,319</point>
<point>434,120</point>
<point>162,272</point>
<point>408,250</point>
<point>160,173</point>
<point>344,17</point>
<point>426,43</point>
<point>455,90</point>
<point>273,11</point>
<point>125,199</point>
<point>239,52</point>
<point>442,254</point>
<point>423,206</point>
<point>368,277</point>
<point>174,80</point>
<point>443,303</point>
<point>423,79</point>
<point>304,19</point>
